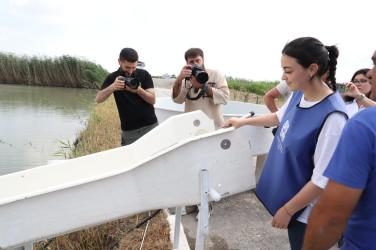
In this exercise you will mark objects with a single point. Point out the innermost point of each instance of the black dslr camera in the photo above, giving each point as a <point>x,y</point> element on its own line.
<point>200,74</point>
<point>130,81</point>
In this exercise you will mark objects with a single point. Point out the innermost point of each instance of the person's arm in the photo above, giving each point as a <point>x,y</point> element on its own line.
<point>220,95</point>
<point>372,74</point>
<point>366,102</point>
<point>209,91</point>
<point>185,72</point>
<point>330,215</point>
<point>103,94</point>
<point>373,93</point>
<point>353,91</point>
<point>303,198</point>
<point>268,120</point>
<point>177,87</point>
<point>148,95</point>
<point>269,99</point>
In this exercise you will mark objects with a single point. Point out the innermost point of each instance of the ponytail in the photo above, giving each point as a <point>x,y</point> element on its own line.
<point>332,66</point>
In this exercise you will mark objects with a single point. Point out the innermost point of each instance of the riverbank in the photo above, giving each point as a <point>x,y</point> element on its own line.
<point>103,133</point>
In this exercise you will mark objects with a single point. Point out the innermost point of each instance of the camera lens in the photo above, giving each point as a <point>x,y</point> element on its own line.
<point>202,77</point>
<point>133,83</point>
<point>200,74</point>
<point>130,81</point>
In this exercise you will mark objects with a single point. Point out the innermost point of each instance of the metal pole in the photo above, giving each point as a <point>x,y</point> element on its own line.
<point>28,246</point>
<point>177,227</point>
<point>203,218</point>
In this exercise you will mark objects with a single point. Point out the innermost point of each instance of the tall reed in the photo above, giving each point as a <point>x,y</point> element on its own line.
<point>63,71</point>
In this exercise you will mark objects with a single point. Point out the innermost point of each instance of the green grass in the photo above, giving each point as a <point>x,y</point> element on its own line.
<point>249,86</point>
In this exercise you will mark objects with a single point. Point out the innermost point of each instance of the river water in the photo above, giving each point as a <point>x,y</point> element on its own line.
<point>34,119</point>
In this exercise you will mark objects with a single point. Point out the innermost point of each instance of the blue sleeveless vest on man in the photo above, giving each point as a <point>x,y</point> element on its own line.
<point>289,165</point>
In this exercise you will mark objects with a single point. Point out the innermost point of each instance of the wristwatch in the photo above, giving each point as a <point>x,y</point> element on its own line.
<point>362,96</point>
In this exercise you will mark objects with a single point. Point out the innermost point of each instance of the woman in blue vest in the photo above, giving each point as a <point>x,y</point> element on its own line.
<point>310,124</point>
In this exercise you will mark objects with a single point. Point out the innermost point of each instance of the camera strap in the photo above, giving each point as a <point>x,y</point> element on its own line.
<point>202,92</point>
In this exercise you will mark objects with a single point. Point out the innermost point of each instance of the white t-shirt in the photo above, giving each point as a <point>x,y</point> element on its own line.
<point>326,145</point>
<point>352,108</point>
<point>283,89</point>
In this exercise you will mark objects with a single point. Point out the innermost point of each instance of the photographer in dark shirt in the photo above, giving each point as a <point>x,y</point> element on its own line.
<point>134,94</point>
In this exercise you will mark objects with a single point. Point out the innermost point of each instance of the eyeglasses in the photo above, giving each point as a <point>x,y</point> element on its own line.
<point>361,81</point>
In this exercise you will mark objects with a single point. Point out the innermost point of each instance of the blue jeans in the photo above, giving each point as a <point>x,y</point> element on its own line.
<point>296,232</point>
<point>130,136</point>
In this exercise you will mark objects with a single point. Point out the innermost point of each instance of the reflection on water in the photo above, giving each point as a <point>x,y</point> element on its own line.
<point>33,119</point>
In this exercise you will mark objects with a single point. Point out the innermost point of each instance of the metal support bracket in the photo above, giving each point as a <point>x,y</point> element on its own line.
<point>203,216</point>
<point>177,227</point>
<point>28,246</point>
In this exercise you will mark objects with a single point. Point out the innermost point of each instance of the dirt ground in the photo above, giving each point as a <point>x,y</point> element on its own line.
<point>236,95</point>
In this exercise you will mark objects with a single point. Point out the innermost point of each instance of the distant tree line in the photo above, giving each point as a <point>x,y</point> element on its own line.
<point>63,71</point>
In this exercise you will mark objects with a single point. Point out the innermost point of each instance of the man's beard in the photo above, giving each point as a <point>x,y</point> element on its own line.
<point>124,73</point>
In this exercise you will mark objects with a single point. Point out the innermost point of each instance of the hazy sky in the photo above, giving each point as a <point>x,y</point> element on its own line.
<point>240,38</point>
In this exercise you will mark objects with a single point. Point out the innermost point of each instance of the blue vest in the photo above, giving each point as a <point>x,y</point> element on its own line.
<point>289,165</point>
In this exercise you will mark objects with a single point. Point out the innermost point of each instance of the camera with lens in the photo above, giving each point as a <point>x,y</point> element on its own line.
<point>200,74</point>
<point>130,81</point>
<point>341,87</point>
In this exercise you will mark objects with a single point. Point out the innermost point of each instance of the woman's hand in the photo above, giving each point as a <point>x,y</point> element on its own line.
<point>281,219</point>
<point>352,90</point>
<point>233,122</point>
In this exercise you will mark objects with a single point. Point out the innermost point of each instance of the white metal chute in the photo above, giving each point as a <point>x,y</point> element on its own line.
<point>161,169</point>
<point>87,168</point>
<point>261,138</point>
